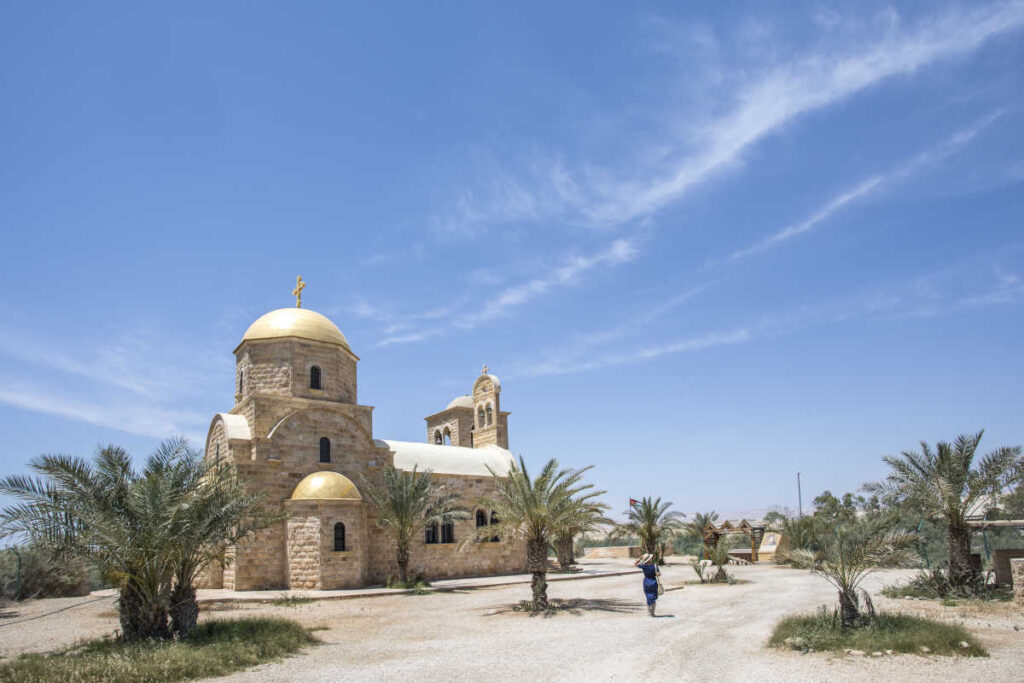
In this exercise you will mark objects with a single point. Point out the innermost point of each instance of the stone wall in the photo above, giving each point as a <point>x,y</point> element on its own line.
<point>448,560</point>
<point>343,568</point>
<point>281,367</point>
<point>611,551</point>
<point>1017,571</point>
<point>1001,563</point>
<point>287,419</point>
<point>458,421</point>
<point>303,545</point>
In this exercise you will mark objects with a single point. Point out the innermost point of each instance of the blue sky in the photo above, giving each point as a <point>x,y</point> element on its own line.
<point>704,246</point>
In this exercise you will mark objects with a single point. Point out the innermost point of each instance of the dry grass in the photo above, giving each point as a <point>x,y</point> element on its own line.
<point>217,648</point>
<point>895,632</point>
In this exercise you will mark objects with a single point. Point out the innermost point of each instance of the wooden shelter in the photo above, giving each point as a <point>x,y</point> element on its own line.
<point>753,530</point>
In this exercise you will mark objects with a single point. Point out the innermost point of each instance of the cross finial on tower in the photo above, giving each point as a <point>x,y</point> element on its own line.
<point>297,292</point>
<point>485,370</point>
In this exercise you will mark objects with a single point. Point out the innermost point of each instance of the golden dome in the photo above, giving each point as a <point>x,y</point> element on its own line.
<point>326,486</point>
<point>296,322</point>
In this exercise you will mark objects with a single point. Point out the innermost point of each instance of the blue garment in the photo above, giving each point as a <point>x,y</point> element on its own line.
<point>650,582</point>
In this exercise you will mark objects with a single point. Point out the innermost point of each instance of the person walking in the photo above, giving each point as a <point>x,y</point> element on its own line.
<point>652,586</point>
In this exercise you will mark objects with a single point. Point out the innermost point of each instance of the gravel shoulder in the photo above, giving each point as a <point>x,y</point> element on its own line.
<point>702,633</point>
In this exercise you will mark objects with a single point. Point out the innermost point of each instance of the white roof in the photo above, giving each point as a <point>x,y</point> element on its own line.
<point>471,462</point>
<point>461,402</point>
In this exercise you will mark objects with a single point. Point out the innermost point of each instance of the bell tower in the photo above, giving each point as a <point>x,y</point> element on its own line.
<point>490,424</point>
<point>474,420</point>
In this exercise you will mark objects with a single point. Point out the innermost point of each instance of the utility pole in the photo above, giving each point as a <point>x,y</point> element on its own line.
<point>799,496</point>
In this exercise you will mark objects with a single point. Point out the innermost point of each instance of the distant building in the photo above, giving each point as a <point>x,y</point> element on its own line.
<point>299,435</point>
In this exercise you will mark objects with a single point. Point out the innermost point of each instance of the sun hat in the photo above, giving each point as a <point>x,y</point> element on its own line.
<point>646,558</point>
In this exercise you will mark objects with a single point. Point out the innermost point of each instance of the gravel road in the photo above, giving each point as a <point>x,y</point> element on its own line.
<point>702,633</point>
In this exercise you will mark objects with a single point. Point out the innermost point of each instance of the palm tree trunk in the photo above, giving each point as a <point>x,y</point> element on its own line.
<point>537,561</point>
<point>141,618</point>
<point>184,609</point>
<point>402,557</point>
<point>961,573</point>
<point>563,548</point>
<point>849,609</point>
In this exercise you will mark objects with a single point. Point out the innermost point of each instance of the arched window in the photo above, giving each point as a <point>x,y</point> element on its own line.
<point>241,381</point>
<point>430,533</point>
<point>494,520</point>
<point>216,452</point>
<point>490,415</point>
<point>447,437</point>
<point>448,532</point>
<point>339,536</point>
<point>481,518</point>
<point>314,377</point>
<point>437,437</point>
<point>480,416</point>
<point>325,449</point>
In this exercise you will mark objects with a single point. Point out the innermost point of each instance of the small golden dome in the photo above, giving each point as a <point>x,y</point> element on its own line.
<point>296,322</point>
<point>326,486</point>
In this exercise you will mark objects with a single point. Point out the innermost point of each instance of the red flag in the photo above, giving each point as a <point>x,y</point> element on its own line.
<point>633,503</point>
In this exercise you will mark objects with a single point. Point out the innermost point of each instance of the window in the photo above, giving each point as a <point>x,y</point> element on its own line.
<point>494,520</point>
<point>339,536</point>
<point>216,452</point>
<point>481,518</point>
<point>448,532</point>
<point>447,437</point>
<point>314,378</point>
<point>325,449</point>
<point>490,415</point>
<point>430,533</point>
<point>480,416</point>
<point>437,437</point>
<point>241,381</point>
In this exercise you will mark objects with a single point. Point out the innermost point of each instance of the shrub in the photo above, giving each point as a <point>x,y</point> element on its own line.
<point>934,584</point>
<point>699,567</point>
<point>897,632</point>
<point>42,575</point>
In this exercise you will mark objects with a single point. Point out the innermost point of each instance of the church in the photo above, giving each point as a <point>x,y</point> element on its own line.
<point>298,433</point>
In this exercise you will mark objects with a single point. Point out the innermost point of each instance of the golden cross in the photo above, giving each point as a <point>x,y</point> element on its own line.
<point>297,292</point>
<point>485,370</point>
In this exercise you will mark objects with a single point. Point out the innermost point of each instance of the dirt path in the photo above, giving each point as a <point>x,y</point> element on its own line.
<point>703,633</point>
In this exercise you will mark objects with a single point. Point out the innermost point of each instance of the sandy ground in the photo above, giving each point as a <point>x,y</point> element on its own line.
<point>705,633</point>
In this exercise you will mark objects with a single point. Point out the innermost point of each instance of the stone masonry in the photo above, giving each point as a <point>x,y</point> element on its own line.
<point>282,430</point>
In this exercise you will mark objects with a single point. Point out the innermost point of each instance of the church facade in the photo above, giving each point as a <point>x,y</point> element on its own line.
<point>299,435</point>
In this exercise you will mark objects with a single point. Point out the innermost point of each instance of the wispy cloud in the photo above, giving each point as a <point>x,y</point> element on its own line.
<point>125,362</point>
<point>549,188</point>
<point>566,274</point>
<point>147,419</point>
<point>973,283</point>
<point>866,187</point>
<point>645,353</point>
<point>618,252</point>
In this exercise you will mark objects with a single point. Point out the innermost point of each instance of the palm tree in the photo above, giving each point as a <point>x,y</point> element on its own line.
<point>719,556</point>
<point>409,502</point>
<point>534,510</point>
<point>653,522</point>
<point>142,529</point>
<point>583,516</point>
<point>854,551</point>
<point>215,509</point>
<point>696,526</point>
<point>946,482</point>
